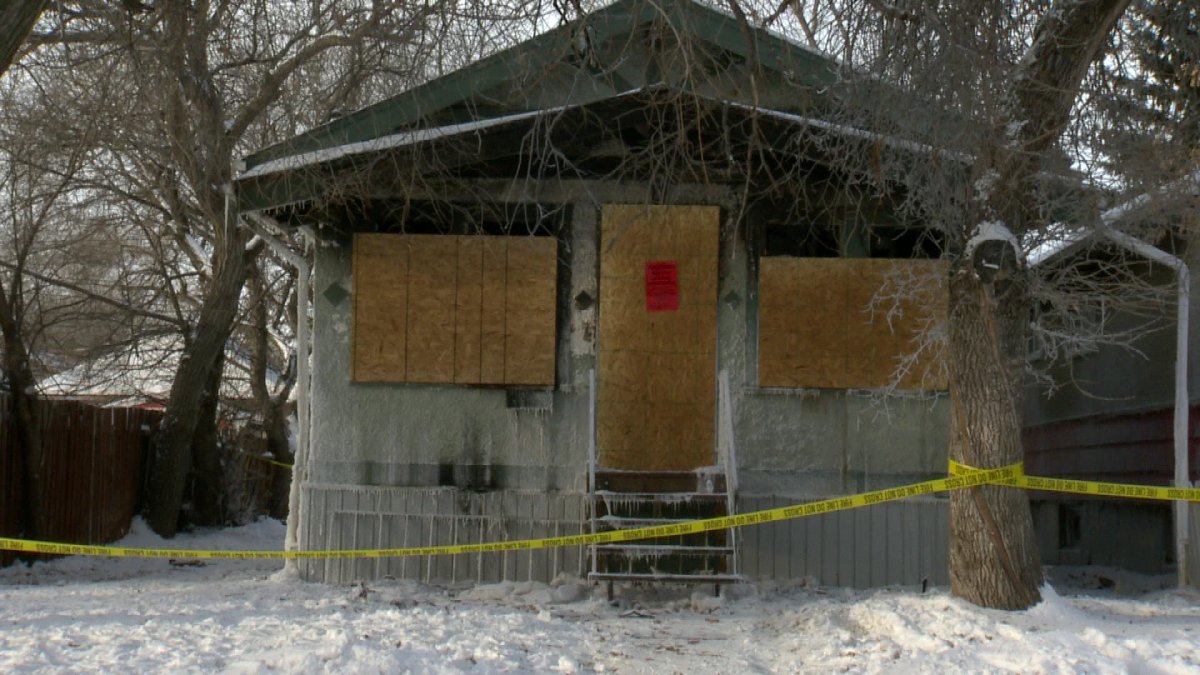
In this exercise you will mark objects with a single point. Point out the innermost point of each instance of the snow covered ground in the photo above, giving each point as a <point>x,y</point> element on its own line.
<point>128,615</point>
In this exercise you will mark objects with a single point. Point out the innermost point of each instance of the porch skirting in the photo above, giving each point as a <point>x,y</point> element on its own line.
<point>894,543</point>
<point>355,517</point>
<point>887,544</point>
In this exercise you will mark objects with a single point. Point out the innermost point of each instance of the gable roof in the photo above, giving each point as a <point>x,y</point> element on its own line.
<point>571,67</point>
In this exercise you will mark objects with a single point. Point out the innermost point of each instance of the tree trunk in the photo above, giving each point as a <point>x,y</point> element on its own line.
<point>16,20</point>
<point>202,356</point>
<point>26,428</point>
<point>994,561</point>
<point>208,471</point>
<point>27,434</point>
<point>275,424</point>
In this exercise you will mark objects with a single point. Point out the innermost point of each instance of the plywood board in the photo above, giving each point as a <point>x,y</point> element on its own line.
<point>656,373</point>
<point>492,316</point>
<point>380,311</point>
<point>468,311</point>
<point>432,282</point>
<point>462,309</point>
<point>529,311</point>
<point>848,323</point>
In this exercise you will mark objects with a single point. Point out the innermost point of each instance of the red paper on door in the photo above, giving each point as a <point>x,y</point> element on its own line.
<point>662,286</point>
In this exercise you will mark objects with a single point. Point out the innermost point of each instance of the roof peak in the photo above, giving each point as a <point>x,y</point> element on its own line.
<point>578,61</point>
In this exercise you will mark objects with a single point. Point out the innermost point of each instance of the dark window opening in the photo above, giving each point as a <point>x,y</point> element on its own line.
<point>1069,520</point>
<point>905,242</point>
<point>466,218</point>
<point>800,241</point>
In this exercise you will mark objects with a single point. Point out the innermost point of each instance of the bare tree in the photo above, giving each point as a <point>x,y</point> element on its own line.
<point>272,290</point>
<point>59,262</point>
<point>213,81</point>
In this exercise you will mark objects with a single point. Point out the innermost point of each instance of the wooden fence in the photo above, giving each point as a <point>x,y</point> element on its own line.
<point>94,464</point>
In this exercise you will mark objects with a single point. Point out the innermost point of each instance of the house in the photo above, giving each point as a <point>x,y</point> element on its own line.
<point>1112,414</point>
<point>606,277</point>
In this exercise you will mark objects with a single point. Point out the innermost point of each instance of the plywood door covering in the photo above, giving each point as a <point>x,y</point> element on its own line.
<point>454,309</point>
<point>819,327</point>
<point>657,370</point>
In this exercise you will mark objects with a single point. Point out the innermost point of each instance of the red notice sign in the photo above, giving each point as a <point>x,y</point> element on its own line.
<point>662,286</point>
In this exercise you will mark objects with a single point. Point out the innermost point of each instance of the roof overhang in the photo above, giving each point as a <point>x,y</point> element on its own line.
<point>611,138</point>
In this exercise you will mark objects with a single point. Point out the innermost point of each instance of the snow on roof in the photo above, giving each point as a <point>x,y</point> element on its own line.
<point>402,139</point>
<point>412,137</point>
<point>853,132</point>
<point>1064,238</point>
<point>144,370</point>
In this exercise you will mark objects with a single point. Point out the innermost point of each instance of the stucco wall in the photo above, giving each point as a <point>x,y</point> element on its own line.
<point>787,442</point>
<point>802,443</point>
<point>431,435</point>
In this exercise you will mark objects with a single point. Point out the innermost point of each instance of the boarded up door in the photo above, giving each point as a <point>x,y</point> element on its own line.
<point>658,336</point>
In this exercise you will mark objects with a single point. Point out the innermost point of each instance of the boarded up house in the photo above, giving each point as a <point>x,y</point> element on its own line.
<point>604,278</point>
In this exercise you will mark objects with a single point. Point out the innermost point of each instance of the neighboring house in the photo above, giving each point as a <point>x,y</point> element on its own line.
<point>1110,418</point>
<point>524,326</point>
<point>139,375</point>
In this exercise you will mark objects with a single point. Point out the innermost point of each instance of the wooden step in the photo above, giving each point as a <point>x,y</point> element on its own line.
<point>624,500</point>
<point>664,497</point>
<point>663,549</point>
<point>614,480</point>
<point>676,578</point>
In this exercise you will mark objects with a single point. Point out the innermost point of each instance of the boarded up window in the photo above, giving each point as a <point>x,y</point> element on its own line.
<point>844,323</point>
<point>461,309</point>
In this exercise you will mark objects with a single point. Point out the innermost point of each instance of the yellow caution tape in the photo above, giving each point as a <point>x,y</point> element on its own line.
<point>612,536</point>
<point>276,463</point>
<point>1088,487</point>
<point>268,460</point>
<point>962,476</point>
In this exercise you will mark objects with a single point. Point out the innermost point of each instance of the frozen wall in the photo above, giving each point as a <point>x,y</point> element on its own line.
<point>412,435</point>
<point>400,465</point>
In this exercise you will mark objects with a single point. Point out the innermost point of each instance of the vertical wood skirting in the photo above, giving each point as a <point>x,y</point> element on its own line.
<point>899,543</point>
<point>366,518</point>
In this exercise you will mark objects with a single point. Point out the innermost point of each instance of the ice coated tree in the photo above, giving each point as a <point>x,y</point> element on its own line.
<point>64,284</point>
<point>212,81</point>
<point>993,556</point>
<point>1005,82</point>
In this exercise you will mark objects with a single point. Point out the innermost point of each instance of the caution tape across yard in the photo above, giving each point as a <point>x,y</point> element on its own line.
<point>962,476</point>
<point>1088,487</point>
<point>609,537</point>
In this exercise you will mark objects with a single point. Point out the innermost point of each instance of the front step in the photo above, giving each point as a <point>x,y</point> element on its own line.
<point>625,500</point>
<point>674,578</point>
<point>665,549</point>
<point>659,482</point>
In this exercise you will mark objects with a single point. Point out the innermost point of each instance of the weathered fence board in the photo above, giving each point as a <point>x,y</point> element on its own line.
<point>93,470</point>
